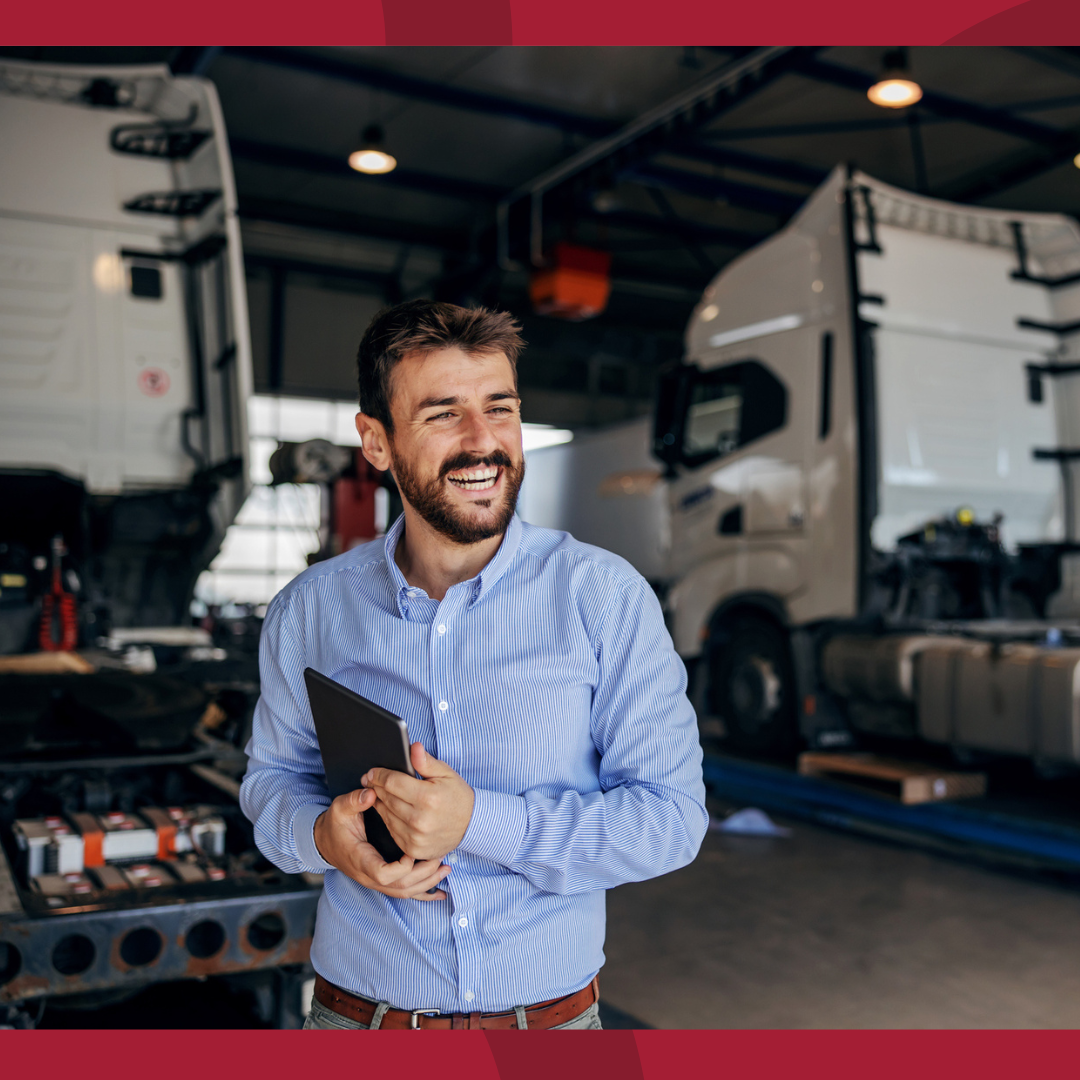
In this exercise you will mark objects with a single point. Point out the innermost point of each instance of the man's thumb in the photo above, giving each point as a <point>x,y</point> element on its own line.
<point>427,766</point>
<point>360,799</point>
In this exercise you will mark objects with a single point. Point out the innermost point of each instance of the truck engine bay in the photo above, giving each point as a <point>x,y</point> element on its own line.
<point>125,859</point>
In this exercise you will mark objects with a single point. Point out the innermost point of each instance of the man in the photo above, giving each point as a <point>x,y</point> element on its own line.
<point>556,750</point>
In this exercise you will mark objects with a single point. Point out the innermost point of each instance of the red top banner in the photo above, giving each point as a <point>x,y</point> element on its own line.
<point>551,22</point>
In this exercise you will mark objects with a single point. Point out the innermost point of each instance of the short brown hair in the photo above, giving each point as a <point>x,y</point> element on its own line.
<point>425,326</point>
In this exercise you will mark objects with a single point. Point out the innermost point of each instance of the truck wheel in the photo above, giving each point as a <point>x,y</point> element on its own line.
<point>753,686</point>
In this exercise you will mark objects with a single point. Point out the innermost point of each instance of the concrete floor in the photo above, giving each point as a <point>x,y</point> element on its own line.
<point>824,929</point>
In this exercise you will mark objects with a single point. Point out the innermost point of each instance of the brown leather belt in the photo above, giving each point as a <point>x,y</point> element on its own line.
<point>544,1014</point>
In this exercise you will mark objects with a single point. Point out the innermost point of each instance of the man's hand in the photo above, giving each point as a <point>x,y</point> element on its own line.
<point>342,842</point>
<point>426,817</point>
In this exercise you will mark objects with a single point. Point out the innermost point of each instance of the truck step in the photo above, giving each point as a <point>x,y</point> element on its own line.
<point>909,781</point>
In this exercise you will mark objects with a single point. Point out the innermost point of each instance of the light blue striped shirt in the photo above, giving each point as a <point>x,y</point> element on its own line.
<point>549,682</point>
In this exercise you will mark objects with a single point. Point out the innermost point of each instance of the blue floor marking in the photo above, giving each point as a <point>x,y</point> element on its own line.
<point>776,789</point>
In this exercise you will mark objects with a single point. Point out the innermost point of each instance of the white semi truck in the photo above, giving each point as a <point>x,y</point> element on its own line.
<point>125,364</point>
<point>857,498</point>
<point>125,372</point>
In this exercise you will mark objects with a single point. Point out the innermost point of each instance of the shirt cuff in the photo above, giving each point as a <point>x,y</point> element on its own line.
<point>303,828</point>
<point>497,827</point>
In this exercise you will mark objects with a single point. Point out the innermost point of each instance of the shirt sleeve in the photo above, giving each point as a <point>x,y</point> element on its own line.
<point>649,816</point>
<point>284,790</point>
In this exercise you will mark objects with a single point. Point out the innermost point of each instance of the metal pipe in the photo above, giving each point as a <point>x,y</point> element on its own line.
<point>655,118</point>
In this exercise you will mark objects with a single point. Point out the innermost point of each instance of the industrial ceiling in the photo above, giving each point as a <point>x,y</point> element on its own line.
<point>727,145</point>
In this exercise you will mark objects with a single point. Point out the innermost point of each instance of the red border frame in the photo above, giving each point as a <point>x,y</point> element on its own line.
<point>621,1055</point>
<point>646,1055</point>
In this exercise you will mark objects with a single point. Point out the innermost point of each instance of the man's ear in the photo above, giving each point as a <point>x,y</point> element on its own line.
<point>376,443</point>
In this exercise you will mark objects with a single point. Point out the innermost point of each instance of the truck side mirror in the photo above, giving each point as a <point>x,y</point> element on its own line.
<point>672,398</point>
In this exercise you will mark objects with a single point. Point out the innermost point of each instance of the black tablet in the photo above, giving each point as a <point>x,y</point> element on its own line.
<point>356,735</point>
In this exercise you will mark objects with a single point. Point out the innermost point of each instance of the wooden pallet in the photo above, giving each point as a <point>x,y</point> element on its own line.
<point>909,781</point>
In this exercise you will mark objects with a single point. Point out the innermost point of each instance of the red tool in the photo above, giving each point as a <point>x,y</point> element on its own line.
<point>59,630</point>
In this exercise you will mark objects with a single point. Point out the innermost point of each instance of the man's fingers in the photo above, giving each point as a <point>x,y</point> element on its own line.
<point>395,873</point>
<point>404,879</point>
<point>400,808</point>
<point>429,879</point>
<point>426,873</point>
<point>397,783</point>
<point>401,828</point>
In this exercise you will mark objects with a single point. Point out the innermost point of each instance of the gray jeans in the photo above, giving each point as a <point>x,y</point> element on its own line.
<point>323,1019</point>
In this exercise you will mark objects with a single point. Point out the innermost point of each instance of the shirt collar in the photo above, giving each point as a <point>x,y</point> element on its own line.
<point>483,581</point>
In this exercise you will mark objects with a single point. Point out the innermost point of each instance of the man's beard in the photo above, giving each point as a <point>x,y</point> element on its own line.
<point>432,501</point>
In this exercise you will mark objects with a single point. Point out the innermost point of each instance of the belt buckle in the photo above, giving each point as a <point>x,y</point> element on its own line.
<point>415,1014</point>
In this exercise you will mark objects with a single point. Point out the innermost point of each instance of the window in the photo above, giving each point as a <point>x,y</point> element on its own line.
<point>730,407</point>
<point>268,543</point>
<point>277,527</point>
<point>712,418</point>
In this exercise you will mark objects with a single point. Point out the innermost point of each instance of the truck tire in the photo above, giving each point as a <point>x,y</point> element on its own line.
<point>753,685</point>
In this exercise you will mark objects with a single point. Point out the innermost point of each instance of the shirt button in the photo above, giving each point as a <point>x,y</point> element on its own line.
<point>468,995</point>
<point>443,706</point>
<point>442,629</point>
<point>463,921</point>
<point>451,858</point>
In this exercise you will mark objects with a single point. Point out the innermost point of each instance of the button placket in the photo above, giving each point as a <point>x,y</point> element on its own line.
<point>441,651</point>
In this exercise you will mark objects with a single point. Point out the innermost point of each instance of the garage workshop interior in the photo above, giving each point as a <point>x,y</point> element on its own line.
<point>803,347</point>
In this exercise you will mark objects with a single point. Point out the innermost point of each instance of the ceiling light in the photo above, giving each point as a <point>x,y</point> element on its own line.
<point>1076,161</point>
<point>605,201</point>
<point>895,89</point>
<point>372,157</point>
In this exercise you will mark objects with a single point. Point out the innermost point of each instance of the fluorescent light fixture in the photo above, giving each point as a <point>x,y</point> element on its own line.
<point>537,436</point>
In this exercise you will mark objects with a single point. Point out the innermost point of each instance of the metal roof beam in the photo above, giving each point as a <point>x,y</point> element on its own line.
<point>752,163</point>
<point>259,260</point>
<point>323,219</point>
<point>682,230</point>
<point>763,200</point>
<point>825,127</point>
<point>286,157</point>
<point>450,187</point>
<point>943,105</point>
<point>991,180</point>
<point>650,133</point>
<point>410,86</point>
<point>300,215</point>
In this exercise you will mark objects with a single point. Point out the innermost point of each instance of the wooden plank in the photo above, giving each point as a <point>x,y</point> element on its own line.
<point>915,781</point>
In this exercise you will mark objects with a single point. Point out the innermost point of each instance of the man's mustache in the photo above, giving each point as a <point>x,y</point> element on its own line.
<point>469,461</point>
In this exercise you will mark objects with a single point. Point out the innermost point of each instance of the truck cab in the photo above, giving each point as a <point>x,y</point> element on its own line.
<point>870,439</point>
<point>125,363</point>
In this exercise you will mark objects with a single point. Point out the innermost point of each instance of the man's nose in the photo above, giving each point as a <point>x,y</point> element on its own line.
<point>477,436</point>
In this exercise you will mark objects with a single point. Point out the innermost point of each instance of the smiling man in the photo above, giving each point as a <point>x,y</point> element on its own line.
<point>556,752</point>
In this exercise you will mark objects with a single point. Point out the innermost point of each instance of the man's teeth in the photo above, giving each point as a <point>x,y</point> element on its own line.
<point>474,479</point>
